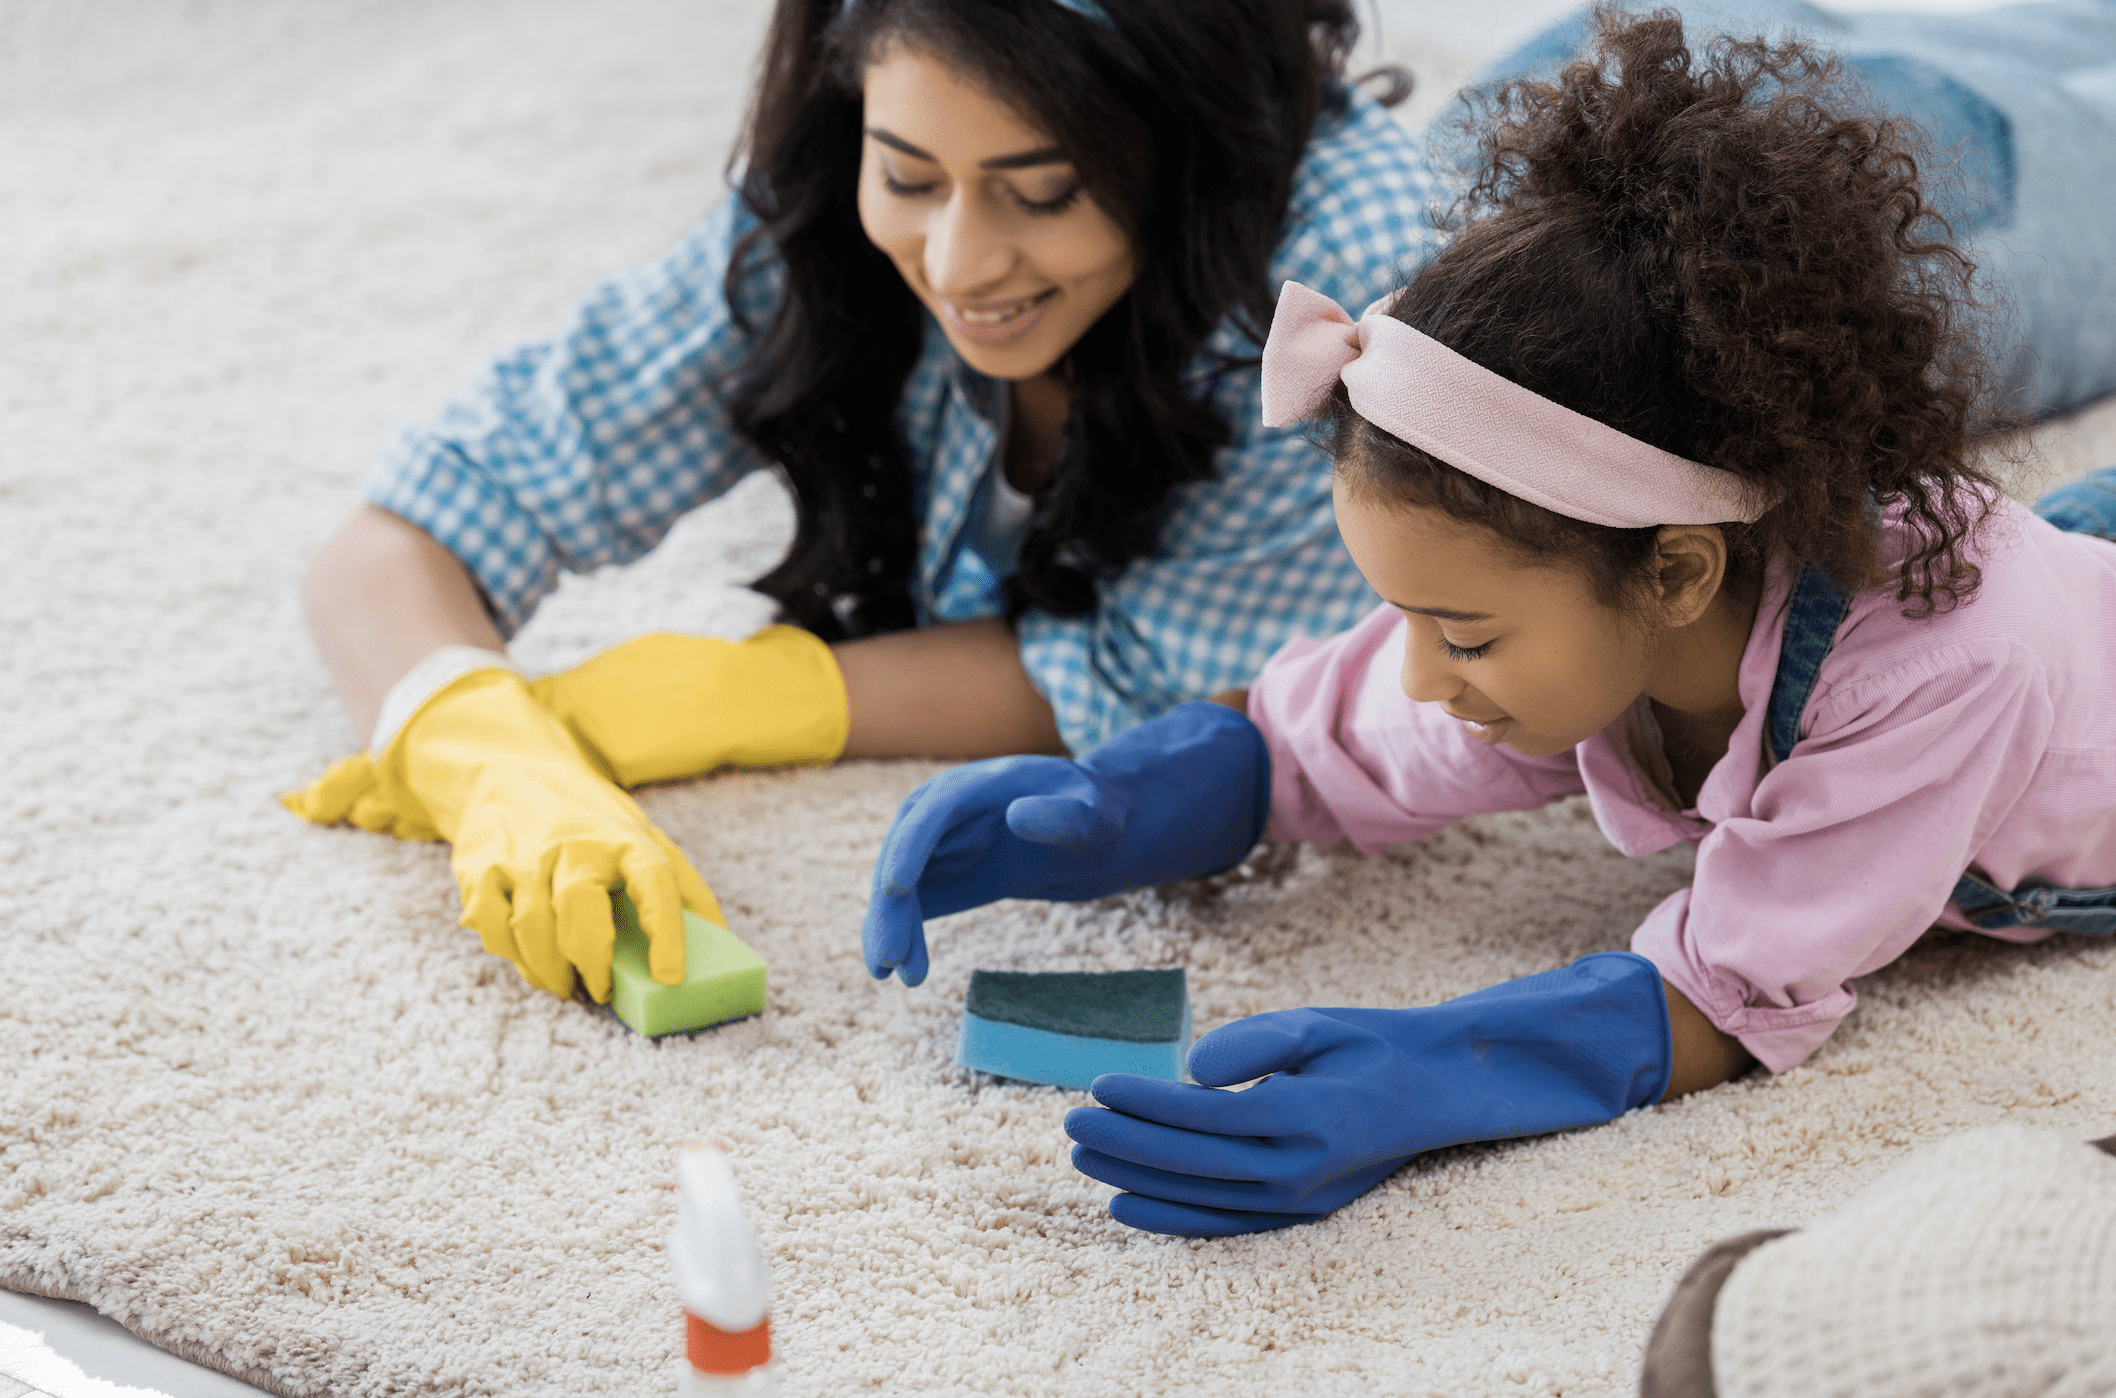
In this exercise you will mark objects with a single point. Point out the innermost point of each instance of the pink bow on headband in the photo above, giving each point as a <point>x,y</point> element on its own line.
<point>1418,389</point>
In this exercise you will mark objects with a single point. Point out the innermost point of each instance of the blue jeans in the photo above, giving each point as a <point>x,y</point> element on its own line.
<point>2020,102</point>
<point>1818,608</point>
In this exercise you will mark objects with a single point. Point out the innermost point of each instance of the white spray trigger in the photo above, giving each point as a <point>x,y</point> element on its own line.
<point>720,1270</point>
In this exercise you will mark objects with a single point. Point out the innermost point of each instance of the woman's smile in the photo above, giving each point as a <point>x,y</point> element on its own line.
<point>996,322</point>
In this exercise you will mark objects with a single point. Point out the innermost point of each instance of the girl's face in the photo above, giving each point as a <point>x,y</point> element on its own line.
<point>984,216</point>
<point>1522,656</point>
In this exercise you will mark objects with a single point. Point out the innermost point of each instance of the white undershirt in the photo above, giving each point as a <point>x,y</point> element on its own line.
<point>1002,524</point>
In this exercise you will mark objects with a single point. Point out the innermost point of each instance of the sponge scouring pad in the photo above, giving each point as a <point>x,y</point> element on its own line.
<point>722,978</point>
<point>1066,1028</point>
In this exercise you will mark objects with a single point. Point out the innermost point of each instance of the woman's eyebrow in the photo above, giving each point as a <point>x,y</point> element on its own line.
<point>1442,613</point>
<point>1020,160</point>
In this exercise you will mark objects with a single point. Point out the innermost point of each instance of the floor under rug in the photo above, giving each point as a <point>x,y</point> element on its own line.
<point>267,1105</point>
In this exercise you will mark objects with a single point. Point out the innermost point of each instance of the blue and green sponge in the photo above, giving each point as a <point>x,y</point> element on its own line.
<point>1066,1028</point>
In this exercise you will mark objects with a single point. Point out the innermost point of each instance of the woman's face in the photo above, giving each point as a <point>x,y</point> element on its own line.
<point>1522,656</point>
<point>984,216</point>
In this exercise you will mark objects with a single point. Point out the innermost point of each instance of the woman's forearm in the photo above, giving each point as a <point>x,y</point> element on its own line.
<point>383,594</point>
<point>380,597</point>
<point>956,690</point>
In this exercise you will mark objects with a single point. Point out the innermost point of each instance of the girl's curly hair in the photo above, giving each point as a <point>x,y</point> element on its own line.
<point>1722,257</point>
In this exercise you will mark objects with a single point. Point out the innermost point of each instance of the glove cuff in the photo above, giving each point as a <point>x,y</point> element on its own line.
<point>434,763</point>
<point>441,668</point>
<point>1197,758</point>
<point>665,706</point>
<point>1609,1010</point>
<point>797,691</point>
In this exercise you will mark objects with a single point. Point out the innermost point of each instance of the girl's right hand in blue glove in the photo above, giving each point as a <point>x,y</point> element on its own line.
<point>1183,796</point>
<point>1354,1093</point>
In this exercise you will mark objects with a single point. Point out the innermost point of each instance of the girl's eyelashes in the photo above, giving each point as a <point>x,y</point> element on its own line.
<point>1455,652</point>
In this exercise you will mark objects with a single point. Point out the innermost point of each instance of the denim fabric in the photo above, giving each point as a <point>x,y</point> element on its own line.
<point>2018,109</point>
<point>2058,909</point>
<point>1817,608</point>
<point>1812,615</point>
<point>2085,506</point>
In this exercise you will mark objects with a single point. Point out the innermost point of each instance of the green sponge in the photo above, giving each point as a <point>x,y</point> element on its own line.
<point>722,978</point>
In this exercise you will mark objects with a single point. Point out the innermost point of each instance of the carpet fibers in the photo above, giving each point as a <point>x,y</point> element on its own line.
<point>267,1105</point>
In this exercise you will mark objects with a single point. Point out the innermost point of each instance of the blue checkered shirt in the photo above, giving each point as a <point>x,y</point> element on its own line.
<point>582,450</point>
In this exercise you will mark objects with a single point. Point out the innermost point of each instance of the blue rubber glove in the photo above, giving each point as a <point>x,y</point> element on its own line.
<point>1181,797</point>
<point>1353,1094</point>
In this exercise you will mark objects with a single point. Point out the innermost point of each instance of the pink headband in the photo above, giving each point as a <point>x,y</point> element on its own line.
<point>1476,421</point>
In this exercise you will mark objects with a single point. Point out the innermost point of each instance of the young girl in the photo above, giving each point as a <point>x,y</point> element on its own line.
<point>1663,470</point>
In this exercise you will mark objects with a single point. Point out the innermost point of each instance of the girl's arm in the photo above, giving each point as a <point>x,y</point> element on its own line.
<point>1703,1057</point>
<point>1347,1095</point>
<point>1848,851</point>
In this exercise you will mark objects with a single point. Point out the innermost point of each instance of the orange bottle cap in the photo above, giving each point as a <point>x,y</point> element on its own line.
<point>716,1351</point>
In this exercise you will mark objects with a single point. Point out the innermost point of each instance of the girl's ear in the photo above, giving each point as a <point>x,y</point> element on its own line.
<point>1693,567</point>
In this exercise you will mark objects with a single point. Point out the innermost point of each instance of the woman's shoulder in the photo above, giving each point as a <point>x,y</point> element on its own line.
<point>731,235</point>
<point>687,284</point>
<point>1359,215</point>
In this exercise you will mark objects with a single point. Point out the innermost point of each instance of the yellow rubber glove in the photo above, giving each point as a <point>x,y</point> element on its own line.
<point>540,836</point>
<point>348,792</point>
<point>666,706</point>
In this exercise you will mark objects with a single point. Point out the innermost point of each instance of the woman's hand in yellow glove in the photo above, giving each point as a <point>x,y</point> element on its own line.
<point>350,793</point>
<point>664,706</point>
<point>517,776</point>
<point>541,837</point>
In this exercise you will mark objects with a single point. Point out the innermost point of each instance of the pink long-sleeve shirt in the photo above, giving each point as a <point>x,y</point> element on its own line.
<point>1984,736</point>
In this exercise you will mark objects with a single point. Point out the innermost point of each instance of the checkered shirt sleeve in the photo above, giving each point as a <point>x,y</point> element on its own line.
<point>1251,559</point>
<point>584,449</point>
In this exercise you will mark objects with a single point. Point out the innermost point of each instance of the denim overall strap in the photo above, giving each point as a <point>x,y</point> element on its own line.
<point>1812,615</point>
<point>2059,909</point>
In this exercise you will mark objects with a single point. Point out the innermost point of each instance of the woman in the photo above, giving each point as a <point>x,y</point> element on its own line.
<point>989,290</point>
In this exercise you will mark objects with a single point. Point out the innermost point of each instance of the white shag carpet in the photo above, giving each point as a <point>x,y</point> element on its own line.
<point>264,1103</point>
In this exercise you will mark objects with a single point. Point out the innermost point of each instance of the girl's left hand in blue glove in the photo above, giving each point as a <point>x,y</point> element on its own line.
<point>1353,1094</point>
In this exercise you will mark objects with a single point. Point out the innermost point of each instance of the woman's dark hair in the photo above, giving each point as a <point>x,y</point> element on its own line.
<point>1185,119</point>
<point>1726,259</point>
